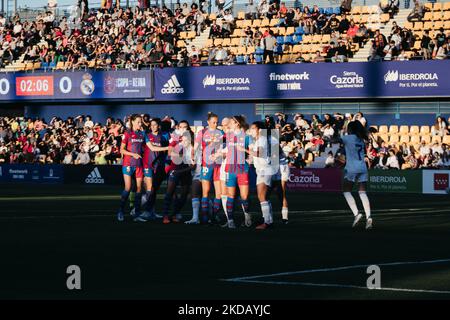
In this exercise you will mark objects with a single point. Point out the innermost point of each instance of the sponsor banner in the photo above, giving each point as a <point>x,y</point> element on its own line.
<point>325,180</point>
<point>296,81</point>
<point>436,181</point>
<point>93,175</point>
<point>31,173</point>
<point>403,181</point>
<point>86,85</point>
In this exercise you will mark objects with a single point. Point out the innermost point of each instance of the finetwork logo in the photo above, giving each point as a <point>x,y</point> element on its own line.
<point>172,86</point>
<point>95,177</point>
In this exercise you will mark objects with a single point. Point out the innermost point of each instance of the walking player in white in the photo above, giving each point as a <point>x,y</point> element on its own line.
<point>356,170</point>
<point>260,153</point>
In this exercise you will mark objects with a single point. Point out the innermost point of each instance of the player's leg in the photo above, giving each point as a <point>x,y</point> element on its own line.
<point>181,199</point>
<point>159,175</point>
<point>139,174</point>
<point>196,191</point>
<point>206,178</point>
<point>217,203</point>
<point>231,194</point>
<point>244,191</point>
<point>223,188</point>
<point>125,194</point>
<point>171,188</point>
<point>262,186</point>
<point>362,179</point>
<point>348,187</point>
<point>284,202</point>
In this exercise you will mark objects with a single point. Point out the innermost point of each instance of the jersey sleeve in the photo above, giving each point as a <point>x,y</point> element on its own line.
<point>126,138</point>
<point>199,137</point>
<point>146,138</point>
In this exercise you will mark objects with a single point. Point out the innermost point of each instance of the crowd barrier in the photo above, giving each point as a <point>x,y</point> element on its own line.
<point>236,82</point>
<point>300,180</point>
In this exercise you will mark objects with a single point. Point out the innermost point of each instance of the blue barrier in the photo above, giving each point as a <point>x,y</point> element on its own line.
<point>310,81</point>
<point>31,173</point>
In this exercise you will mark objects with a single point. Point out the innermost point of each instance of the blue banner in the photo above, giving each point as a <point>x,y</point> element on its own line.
<point>308,81</point>
<point>31,173</point>
<point>76,86</point>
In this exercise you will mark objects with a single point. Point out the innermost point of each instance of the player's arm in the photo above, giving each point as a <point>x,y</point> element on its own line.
<point>154,148</point>
<point>125,152</point>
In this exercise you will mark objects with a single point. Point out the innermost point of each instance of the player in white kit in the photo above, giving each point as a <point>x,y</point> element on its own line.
<point>356,170</point>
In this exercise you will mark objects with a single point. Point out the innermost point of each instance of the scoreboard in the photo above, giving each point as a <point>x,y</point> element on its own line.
<point>76,86</point>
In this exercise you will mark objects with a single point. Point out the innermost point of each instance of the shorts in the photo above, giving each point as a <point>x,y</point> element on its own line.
<point>196,173</point>
<point>264,176</point>
<point>183,179</point>
<point>237,179</point>
<point>223,174</point>
<point>129,171</point>
<point>210,173</point>
<point>356,177</point>
<point>283,173</point>
<point>148,173</point>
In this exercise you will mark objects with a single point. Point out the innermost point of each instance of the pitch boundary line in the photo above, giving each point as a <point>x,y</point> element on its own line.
<point>386,214</point>
<point>253,279</point>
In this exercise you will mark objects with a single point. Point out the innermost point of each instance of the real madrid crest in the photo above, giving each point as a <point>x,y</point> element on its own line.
<point>87,85</point>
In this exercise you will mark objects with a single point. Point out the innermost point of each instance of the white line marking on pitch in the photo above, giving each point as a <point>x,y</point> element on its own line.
<point>252,279</point>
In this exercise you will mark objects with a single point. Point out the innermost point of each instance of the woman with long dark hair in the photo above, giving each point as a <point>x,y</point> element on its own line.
<point>356,170</point>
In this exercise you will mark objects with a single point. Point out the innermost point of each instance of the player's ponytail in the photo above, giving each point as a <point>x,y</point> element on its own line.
<point>355,127</point>
<point>212,115</point>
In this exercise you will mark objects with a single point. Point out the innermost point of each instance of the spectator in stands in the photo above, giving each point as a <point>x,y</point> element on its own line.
<point>250,12</point>
<point>390,51</point>
<point>318,58</point>
<point>379,43</point>
<point>344,24</point>
<point>440,127</point>
<point>417,13</point>
<point>425,45</point>
<point>441,38</point>
<point>220,54</point>
<point>269,43</point>
<point>83,157</point>
<point>346,6</point>
<point>329,161</point>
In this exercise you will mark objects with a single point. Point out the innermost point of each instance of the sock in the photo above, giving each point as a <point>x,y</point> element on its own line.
<point>244,205</point>
<point>224,204</point>
<point>137,203</point>
<point>230,208</point>
<point>216,206</point>
<point>284,213</point>
<point>195,208</point>
<point>205,208</point>
<point>351,202</point>
<point>365,202</point>
<point>265,209</point>
<point>271,211</point>
<point>132,196</point>
<point>144,199</point>
<point>123,199</point>
<point>166,204</point>
<point>148,204</point>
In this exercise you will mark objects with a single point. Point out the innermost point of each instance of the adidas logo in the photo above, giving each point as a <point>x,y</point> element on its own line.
<point>172,86</point>
<point>95,177</point>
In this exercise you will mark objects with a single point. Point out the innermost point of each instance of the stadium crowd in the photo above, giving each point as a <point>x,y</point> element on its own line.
<point>81,141</point>
<point>131,38</point>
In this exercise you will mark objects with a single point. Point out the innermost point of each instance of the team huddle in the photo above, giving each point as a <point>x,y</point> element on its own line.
<point>213,166</point>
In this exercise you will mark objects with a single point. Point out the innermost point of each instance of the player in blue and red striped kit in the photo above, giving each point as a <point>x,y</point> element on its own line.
<point>154,162</point>
<point>132,165</point>
<point>236,168</point>
<point>210,141</point>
